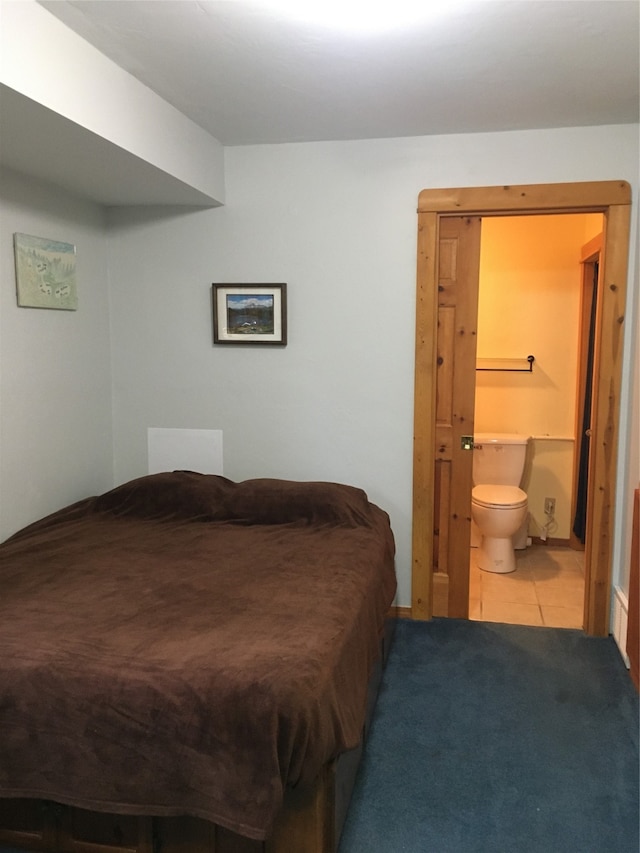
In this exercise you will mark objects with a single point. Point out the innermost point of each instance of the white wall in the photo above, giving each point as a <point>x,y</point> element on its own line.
<point>337,223</point>
<point>55,375</point>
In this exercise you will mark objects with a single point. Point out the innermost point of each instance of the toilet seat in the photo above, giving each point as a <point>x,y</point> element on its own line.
<point>498,497</point>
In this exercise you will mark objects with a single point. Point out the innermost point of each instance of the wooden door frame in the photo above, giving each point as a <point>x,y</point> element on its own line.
<point>613,200</point>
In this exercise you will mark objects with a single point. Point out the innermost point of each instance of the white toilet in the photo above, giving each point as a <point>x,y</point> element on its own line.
<point>498,505</point>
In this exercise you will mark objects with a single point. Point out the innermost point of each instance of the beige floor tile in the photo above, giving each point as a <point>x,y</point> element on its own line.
<point>560,593</point>
<point>563,576</point>
<point>508,588</point>
<point>524,571</point>
<point>547,588</point>
<point>562,617</point>
<point>547,572</point>
<point>568,555</point>
<point>580,560</point>
<point>558,559</point>
<point>529,554</point>
<point>512,613</point>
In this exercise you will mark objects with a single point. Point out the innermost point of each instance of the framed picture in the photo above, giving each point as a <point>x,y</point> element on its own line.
<point>249,313</point>
<point>45,273</point>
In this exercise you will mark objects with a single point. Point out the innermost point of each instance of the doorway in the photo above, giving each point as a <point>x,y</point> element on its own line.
<point>612,199</point>
<point>531,300</point>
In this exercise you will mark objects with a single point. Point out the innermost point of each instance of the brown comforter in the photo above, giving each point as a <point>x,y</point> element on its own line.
<point>188,645</point>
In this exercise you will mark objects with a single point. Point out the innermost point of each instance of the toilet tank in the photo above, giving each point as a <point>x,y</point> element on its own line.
<point>498,458</point>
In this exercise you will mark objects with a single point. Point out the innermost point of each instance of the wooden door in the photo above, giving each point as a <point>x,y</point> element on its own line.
<point>457,313</point>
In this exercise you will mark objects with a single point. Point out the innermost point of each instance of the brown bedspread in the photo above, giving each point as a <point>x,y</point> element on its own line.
<point>189,645</point>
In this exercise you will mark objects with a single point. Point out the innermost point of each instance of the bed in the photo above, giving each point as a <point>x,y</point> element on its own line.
<point>189,663</point>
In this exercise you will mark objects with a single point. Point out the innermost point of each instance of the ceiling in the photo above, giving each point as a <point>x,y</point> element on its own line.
<point>249,76</point>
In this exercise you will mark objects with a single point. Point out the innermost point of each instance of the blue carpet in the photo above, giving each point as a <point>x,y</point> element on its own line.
<point>495,738</point>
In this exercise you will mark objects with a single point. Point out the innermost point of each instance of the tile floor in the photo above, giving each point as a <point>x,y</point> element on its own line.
<point>547,588</point>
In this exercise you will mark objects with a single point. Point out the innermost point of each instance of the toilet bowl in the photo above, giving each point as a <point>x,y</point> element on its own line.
<point>499,512</point>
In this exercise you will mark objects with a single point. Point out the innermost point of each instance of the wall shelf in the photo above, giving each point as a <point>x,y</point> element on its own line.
<point>514,365</point>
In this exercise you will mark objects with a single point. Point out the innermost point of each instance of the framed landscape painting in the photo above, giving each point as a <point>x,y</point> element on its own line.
<point>45,273</point>
<point>249,314</point>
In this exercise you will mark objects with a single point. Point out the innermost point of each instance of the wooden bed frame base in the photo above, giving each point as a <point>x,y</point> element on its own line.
<point>311,820</point>
<point>305,825</point>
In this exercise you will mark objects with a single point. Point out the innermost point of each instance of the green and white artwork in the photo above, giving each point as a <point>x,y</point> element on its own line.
<point>45,273</point>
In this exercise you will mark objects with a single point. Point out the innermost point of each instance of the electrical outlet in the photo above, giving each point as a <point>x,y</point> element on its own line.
<point>549,506</point>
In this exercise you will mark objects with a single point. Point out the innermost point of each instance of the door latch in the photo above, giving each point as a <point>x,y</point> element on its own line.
<point>466,442</point>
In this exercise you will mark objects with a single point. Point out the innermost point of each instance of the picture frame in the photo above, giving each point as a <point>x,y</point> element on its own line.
<point>45,273</point>
<point>250,314</point>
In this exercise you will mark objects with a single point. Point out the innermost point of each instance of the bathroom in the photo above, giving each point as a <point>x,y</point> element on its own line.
<point>530,267</point>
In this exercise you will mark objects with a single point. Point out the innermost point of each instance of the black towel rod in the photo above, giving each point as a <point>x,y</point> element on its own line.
<point>507,364</point>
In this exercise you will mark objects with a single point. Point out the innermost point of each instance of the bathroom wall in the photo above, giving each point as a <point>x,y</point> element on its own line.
<point>530,282</point>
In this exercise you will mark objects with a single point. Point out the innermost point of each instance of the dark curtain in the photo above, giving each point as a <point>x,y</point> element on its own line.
<point>580,519</point>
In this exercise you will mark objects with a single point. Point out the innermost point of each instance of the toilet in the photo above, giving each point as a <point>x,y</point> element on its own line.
<point>498,504</point>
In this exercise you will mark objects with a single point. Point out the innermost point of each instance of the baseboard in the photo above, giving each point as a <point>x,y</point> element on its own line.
<point>400,612</point>
<point>619,622</point>
<point>557,543</point>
